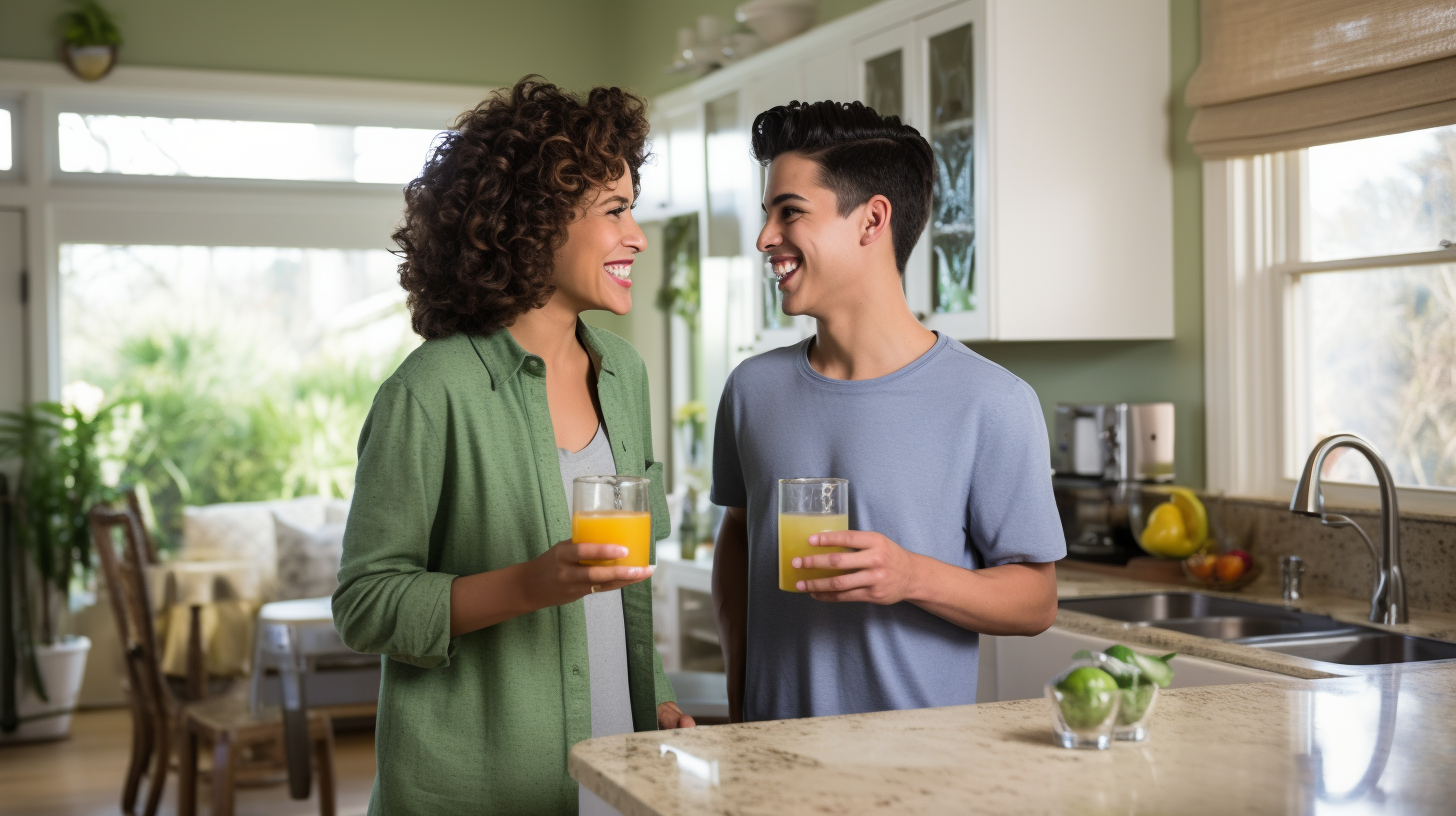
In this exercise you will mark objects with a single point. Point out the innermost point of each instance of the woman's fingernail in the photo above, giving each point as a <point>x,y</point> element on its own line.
<point>798,563</point>
<point>800,586</point>
<point>813,539</point>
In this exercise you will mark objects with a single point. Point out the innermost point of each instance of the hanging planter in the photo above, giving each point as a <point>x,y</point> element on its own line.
<point>89,40</point>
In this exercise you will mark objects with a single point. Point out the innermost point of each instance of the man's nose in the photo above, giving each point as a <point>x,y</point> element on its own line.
<point>769,237</point>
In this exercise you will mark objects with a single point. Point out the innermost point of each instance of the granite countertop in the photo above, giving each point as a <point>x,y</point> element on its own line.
<point>1375,739</point>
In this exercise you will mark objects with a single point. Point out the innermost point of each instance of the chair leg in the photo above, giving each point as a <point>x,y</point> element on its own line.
<point>222,775</point>
<point>161,760</point>
<point>186,772</point>
<point>323,753</point>
<point>141,749</point>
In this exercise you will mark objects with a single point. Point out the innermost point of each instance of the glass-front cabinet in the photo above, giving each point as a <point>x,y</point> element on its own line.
<point>929,73</point>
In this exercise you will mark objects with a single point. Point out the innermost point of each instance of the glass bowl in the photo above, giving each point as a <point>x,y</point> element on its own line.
<point>1087,720</point>
<point>1135,710</point>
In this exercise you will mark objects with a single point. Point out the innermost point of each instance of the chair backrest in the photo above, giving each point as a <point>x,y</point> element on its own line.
<point>123,565</point>
<point>139,501</point>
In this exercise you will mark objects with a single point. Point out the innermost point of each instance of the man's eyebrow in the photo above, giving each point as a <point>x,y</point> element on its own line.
<point>782,197</point>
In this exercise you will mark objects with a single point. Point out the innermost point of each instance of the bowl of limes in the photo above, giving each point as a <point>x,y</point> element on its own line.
<point>1084,700</point>
<point>1138,677</point>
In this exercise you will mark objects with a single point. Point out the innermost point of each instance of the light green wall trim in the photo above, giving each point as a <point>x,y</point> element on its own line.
<point>1151,371</point>
<point>477,42</point>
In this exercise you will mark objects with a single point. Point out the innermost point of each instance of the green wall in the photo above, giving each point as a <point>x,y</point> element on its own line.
<point>577,43</point>
<point>1144,371</point>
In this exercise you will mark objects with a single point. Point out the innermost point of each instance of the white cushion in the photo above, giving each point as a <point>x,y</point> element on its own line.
<point>244,530</point>
<point>336,511</point>
<point>308,560</point>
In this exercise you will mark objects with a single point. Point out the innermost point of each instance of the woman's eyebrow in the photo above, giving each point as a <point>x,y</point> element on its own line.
<point>782,197</point>
<point>616,199</point>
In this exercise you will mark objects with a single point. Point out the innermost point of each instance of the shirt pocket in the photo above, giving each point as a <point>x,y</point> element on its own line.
<point>657,498</point>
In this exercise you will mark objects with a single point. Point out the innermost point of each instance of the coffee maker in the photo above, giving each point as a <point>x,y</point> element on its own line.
<point>1102,455</point>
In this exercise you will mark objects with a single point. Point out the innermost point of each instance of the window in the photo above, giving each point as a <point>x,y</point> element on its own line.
<point>1376,349</point>
<point>221,148</point>
<point>7,157</point>
<point>1330,297</point>
<point>251,369</point>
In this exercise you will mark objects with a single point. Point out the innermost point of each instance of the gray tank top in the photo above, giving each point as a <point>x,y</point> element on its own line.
<point>606,628</point>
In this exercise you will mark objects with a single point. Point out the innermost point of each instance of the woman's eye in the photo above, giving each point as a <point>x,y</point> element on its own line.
<point>617,211</point>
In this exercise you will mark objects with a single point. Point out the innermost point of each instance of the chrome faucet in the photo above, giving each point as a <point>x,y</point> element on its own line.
<point>1387,601</point>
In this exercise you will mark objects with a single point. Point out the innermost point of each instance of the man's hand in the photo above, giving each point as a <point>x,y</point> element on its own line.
<point>884,572</point>
<point>669,716</point>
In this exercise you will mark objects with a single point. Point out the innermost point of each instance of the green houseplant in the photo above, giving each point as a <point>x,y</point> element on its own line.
<point>46,547</point>
<point>89,39</point>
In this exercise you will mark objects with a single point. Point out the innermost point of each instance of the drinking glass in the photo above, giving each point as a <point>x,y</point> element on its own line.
<point>613,510</point>
<point>806,507</point>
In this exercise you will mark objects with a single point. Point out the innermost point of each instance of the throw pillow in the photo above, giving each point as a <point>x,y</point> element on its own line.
<point>308,560</point>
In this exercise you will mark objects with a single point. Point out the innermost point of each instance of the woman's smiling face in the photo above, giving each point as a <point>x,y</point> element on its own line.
<point>593,269</point>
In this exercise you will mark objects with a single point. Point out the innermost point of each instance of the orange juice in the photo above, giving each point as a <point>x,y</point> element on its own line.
<point>794,532</point>
<point>627,528</point>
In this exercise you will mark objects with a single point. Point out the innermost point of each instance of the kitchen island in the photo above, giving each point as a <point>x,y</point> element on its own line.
<point>1379,739</point>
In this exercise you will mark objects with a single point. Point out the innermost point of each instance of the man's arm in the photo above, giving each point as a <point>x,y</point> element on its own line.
<point>730,601</point>
<point>1012,599</point>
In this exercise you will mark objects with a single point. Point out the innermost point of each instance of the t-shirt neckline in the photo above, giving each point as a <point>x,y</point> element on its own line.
<point>807,370</point>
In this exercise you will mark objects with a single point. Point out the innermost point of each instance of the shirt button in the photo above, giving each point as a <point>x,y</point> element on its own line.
<point>576,670</point>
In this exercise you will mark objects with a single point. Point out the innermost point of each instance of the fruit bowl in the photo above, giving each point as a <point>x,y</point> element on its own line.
<point>1212,581</point>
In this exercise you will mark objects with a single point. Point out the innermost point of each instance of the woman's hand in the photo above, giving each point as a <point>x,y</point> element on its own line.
<point>669,716</point>
<point>557,577</point>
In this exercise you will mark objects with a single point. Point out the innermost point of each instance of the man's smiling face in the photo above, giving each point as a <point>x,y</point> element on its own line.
<point>811,247</point>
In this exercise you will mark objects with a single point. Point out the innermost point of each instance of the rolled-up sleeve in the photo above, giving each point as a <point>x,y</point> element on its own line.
<point>388,601</point>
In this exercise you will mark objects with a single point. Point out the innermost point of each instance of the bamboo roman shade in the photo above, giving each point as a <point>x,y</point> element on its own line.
<point>1283,74</point>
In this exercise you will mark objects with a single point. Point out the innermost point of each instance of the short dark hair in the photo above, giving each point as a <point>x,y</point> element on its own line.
<point>860,154</point>
<point>483,221</point>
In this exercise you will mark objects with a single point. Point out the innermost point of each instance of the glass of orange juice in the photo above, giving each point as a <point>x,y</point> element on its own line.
<point>613,510</point>
<point>806,507</point>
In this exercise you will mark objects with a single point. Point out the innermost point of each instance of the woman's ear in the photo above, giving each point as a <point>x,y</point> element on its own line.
<point>875,223</point>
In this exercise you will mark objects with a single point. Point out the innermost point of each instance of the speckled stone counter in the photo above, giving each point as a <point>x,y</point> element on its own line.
<point>1379,740</point>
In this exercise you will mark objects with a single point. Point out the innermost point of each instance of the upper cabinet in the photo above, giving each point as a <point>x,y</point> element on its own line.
<point>1052,212</point>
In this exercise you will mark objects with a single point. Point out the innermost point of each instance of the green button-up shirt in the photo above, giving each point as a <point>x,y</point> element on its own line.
<point>458,474</point>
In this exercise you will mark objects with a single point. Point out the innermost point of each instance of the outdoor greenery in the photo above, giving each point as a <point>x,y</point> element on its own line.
<point>206,434</point>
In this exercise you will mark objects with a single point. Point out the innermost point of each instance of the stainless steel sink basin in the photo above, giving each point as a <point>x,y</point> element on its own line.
<point>1364,647</point>
<point>1238,627</point>
<point>1265,626</point>
<point>1204,615</point>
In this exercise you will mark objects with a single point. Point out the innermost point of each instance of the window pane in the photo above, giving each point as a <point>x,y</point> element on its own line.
<point>885,84</point>
<point>952,226</point>
<point>1380,360</point>
<point>222,148</point>
<point>251,368</point>
<point>7,160</point>
<point>1382,196</point>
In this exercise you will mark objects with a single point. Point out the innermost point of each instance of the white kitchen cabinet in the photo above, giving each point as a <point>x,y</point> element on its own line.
<point>1054,218</point>
<point>1018,668</point>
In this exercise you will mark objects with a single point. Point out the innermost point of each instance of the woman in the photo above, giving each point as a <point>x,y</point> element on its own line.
<point>502,651</point>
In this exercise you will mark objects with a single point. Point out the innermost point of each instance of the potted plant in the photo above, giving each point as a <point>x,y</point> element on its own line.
<point>45,548</point>
<point>89,38</point>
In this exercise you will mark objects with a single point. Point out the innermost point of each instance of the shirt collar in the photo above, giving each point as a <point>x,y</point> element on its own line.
<point>503,356</point>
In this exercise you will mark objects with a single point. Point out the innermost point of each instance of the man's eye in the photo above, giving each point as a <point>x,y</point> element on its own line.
<point>792,211</point>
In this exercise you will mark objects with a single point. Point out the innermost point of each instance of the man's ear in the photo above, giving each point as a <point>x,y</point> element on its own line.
<point>875,220</point>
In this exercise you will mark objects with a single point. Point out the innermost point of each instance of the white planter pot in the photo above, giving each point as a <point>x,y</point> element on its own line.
<point>62,667</point>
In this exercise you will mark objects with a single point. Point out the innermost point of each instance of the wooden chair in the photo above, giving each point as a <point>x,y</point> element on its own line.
<point>159,721</point>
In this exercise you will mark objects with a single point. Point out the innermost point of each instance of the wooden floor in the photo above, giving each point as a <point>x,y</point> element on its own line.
<point>82,776</point>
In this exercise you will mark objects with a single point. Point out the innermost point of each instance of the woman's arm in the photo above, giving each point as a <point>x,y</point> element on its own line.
<point>552,578</point>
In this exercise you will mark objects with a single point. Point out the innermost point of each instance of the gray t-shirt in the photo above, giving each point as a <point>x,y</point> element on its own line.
<point>948,457</point>
<point>606,628</point>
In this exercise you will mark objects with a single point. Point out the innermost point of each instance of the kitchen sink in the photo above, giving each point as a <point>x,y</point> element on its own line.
<point>1205,615</point>
<point>1364,647</point>
<point>1265,626</point>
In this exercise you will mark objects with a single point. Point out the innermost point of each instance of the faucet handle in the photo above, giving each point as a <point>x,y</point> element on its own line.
<point>1291,574</point>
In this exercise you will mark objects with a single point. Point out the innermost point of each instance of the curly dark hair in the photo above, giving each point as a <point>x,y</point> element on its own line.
<point>484,219</point>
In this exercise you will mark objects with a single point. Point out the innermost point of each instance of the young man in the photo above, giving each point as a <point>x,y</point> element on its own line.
<point>953,527</point>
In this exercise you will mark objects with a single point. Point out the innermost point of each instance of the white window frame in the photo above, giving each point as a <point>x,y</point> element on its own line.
<point>108,208</point>
<point>1254,236</point>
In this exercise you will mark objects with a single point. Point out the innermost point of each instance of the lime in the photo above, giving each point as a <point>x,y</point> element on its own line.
<point>1087,696</point>
<point>1135,702</point>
